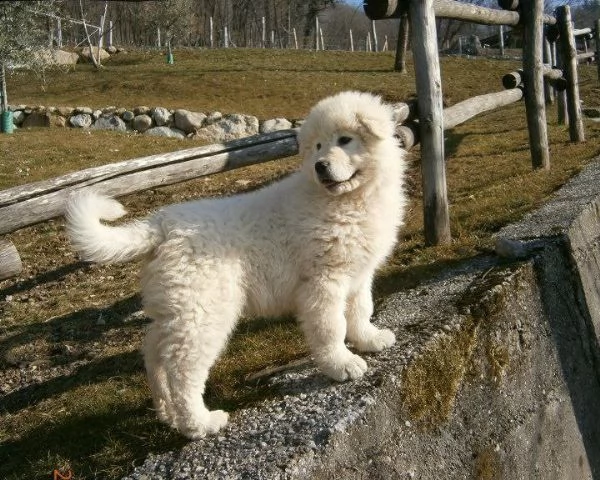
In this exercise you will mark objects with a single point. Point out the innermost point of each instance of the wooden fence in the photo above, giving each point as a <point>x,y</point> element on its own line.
<point>527,13</point>
<point>29,204</point>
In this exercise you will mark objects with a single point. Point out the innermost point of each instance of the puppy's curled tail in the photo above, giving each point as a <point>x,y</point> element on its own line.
<point>101,243</point>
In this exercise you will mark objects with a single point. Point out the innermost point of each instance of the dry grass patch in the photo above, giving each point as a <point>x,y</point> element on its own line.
<point>71,378</point>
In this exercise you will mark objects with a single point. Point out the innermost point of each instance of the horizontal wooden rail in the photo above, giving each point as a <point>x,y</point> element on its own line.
<point>580,32</point>
<point>553,75</point>
<point>381,9</point>
<point>585,56</point>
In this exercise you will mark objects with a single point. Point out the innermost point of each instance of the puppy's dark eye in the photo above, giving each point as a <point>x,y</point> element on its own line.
<point>318,146</point>
<point>344,140</point>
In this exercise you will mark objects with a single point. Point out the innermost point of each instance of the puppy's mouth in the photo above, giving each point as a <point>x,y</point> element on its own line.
<point>335,186</point>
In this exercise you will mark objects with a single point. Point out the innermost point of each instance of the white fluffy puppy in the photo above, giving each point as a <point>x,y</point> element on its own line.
<point>307,245</point>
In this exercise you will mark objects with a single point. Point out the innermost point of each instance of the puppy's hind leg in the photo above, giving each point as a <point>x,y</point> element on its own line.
<point>196,338</point>
<point>365,336</point>
<point>157,375</point>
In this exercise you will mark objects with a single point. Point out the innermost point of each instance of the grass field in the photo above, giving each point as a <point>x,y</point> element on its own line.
<point>73,393</point>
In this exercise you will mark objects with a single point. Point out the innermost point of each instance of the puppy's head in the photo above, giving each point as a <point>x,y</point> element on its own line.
<point>339,140</point>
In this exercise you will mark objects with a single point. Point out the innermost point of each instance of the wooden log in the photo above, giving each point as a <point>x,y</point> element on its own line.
<point>380,9</point>
<point>10,261</point>
<point>585,56</point>
<point>569,56</point>
<point>580,32</point>
<point>553,75</point>
<point>467,109</point>
<point>597,40</point>
<point>547,56</point>
<point>533,69</point>
<point>45,200</point>
<point>431,124</point>
<point>402,44</point>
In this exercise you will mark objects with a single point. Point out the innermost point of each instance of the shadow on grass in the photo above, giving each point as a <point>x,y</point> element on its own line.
<point>42,278</point>
<point>102,445</point>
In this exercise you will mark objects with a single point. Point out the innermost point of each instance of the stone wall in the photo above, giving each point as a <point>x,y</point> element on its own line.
<point>160,121</point>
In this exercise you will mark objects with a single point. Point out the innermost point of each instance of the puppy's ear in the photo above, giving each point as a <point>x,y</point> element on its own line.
<point>374,126</point>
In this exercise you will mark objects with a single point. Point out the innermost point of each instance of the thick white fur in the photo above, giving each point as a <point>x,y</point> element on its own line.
<point>307,245</point>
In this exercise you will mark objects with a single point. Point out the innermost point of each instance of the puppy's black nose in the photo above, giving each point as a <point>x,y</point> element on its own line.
<point>321,167</point>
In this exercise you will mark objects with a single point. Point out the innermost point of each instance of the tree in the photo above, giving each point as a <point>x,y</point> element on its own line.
<point>23,38</point>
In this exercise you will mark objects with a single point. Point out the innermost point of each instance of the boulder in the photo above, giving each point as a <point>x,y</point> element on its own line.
<point>142,110</point>
<point>213,117</point>
<point>85,55</point>
<point>65,111</point>
<point>96,114</point>
<point>57,121</point>
<point>188,121</point>
<point>62,57</point>
<point>81,120</point>
<point>110,122</point>
<point>165,132</point>
<point>275,124</point>
<point>111,49</point>
<point>36,119</point>
<point>86,110</point>
<point>162,116</point>
<point>127,115</point>
<point>141,123</point>
<point>18,117</point>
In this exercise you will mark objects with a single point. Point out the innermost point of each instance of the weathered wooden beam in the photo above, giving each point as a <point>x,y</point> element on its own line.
<point>27,205</point>
<point>585,56</point>
<point>380,9</point>
<point>467,109</point>
<point>580,32</point>
<point>597,41</point>
<point>547,58</point>
<point>553,75</point>
<point>569,58</point>
<point>10,261</point>
<point>431,124</point>
<point>402,44</point>
<point>533,70</point>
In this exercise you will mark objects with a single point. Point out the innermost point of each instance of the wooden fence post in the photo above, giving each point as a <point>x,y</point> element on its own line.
<point>402,45</point>
<point>501,38</point>
<point>10,261</point>
<point>597,39</point>
<point>533,72</point>
<point>569,56</point>
<point>548,90</point>
<point>429,98</point>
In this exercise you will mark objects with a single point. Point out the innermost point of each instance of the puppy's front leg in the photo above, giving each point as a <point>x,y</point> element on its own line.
<point>321,315</point>
<point>365,336</point>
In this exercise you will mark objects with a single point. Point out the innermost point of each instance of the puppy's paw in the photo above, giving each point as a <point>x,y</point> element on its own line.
<point>376,340</point>
<point>210,422</point>
<point>342,365</point>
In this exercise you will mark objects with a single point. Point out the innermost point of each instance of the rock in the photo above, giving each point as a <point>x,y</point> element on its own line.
<point>65,111</point>
<point>232,127</point>
<point>57,121</point>
<point>275,124</point>
<point>141,123</point>
<point>213,117</point>
<point>188,121</point>
<point>18,117</point>
<point>127,115</point>
<point>110,122</point>
<point>109,110</point>
<point>96,114</point>
<point>85,55</point>
<point>62,57</point>
<point>141,110</point>
<point>162,116</point>
<point>36,119</point>
<point>81,120</point>
<point>86,110</point>
<point>165,132</point>
<point>120,111</point>
<point>112,49</point>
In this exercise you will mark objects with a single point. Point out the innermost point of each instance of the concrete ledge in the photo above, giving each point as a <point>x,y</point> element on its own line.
<point>495,375</point>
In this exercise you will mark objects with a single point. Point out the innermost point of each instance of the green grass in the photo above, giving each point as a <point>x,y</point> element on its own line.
<point>70,330</point>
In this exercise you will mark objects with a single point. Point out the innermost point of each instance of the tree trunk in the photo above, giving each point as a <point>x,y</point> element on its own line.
<point>4,100</point>
<point>402,45</point>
